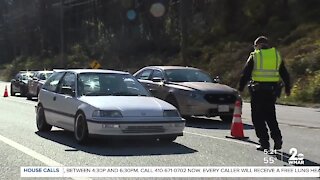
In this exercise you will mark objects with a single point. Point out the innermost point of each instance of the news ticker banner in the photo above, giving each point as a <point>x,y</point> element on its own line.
<point>186,171</point>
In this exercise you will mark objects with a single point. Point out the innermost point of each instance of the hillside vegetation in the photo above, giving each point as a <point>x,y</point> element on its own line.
<point>214,35</point>
<point>303,60</point>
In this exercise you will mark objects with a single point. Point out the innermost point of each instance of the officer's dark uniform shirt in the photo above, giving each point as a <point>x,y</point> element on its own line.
<point>247,71</point>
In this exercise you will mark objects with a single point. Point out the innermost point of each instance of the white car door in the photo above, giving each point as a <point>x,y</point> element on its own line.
<point>47,98</point>
<point>66,101</point>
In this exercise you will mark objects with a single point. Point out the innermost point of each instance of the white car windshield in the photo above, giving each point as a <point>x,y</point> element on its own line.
<point>187,75</point>
<point>108,84</point>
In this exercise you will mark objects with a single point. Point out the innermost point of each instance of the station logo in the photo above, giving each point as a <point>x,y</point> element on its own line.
<point>295,158</point>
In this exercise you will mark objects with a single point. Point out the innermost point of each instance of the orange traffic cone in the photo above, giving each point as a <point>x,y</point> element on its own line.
<point>5,92</point>
<point>237,126</point>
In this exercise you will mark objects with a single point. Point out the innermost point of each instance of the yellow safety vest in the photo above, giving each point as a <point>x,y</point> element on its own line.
<point>266,65</point>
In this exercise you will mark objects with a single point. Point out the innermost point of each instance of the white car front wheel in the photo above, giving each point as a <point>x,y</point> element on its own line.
<point>81,129</point>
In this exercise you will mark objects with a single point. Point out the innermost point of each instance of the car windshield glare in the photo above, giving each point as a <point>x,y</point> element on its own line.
<point>187,75</point>
<point>44,76</point>
<point>109,84</point>
<point>26,76</point>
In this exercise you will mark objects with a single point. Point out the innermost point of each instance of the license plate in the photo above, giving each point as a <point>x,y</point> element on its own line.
<point>223,108</point>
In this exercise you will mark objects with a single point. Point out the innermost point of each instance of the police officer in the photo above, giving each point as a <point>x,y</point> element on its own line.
<point>265,69</point>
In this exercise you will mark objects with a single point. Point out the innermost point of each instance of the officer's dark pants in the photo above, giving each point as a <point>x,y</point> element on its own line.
<point>263,112</point>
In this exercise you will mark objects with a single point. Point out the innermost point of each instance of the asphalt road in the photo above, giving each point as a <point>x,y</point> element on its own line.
<point>204,142</point>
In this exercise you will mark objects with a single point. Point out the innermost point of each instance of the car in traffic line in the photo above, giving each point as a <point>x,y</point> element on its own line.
<point>191,90</point>
<point>19,84</point>
<point>36,83</point>
<point>105,102</point>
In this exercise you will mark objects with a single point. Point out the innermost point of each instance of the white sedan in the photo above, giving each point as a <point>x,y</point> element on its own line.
<point>104,102</point>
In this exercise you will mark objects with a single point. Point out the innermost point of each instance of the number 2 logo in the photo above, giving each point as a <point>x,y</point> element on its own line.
<point>294,157</point>
<point>293,152</point>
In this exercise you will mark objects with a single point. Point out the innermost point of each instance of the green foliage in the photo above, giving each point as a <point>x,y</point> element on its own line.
<point>20,63</point>
<point>77,57</point>
<point>302,56</point>
<point>316,88</point>
<point>307,89</point>
<point>228,61</point>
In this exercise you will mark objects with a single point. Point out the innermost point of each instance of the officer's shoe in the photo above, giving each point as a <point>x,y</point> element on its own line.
<point>277,144</point>
<point>263,148</point>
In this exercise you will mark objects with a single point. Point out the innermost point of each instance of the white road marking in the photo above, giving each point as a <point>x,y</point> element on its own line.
<point>219,138</point>
<point>47,161</point>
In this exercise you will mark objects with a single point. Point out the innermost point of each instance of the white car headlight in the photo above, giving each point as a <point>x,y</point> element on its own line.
<point>107,113</point>
<point>171,113</point>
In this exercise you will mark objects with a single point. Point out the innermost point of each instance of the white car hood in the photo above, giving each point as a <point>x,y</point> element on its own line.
<point>129,105</point>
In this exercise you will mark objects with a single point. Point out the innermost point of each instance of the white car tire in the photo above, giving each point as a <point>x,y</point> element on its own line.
<point>42,124</point>
<point>81,128</point>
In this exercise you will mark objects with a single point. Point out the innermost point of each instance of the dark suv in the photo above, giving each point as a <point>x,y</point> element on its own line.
<point>20,83</point>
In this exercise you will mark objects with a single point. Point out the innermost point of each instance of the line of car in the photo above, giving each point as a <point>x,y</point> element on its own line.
<point>148,104</point>
<point>28,83</point>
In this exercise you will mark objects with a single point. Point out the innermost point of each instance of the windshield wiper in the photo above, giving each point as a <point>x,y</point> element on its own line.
<point>96,94</point>
<point>112,94</point>
<point>127,94</point>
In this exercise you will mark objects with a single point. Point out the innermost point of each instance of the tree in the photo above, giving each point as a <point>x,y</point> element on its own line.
<point>185,16</point>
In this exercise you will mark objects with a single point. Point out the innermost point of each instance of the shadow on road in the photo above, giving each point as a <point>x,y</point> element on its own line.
<point>120,147</point>
<point>282,156</point>
<point>209,123</point>
<point>33,99</point>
